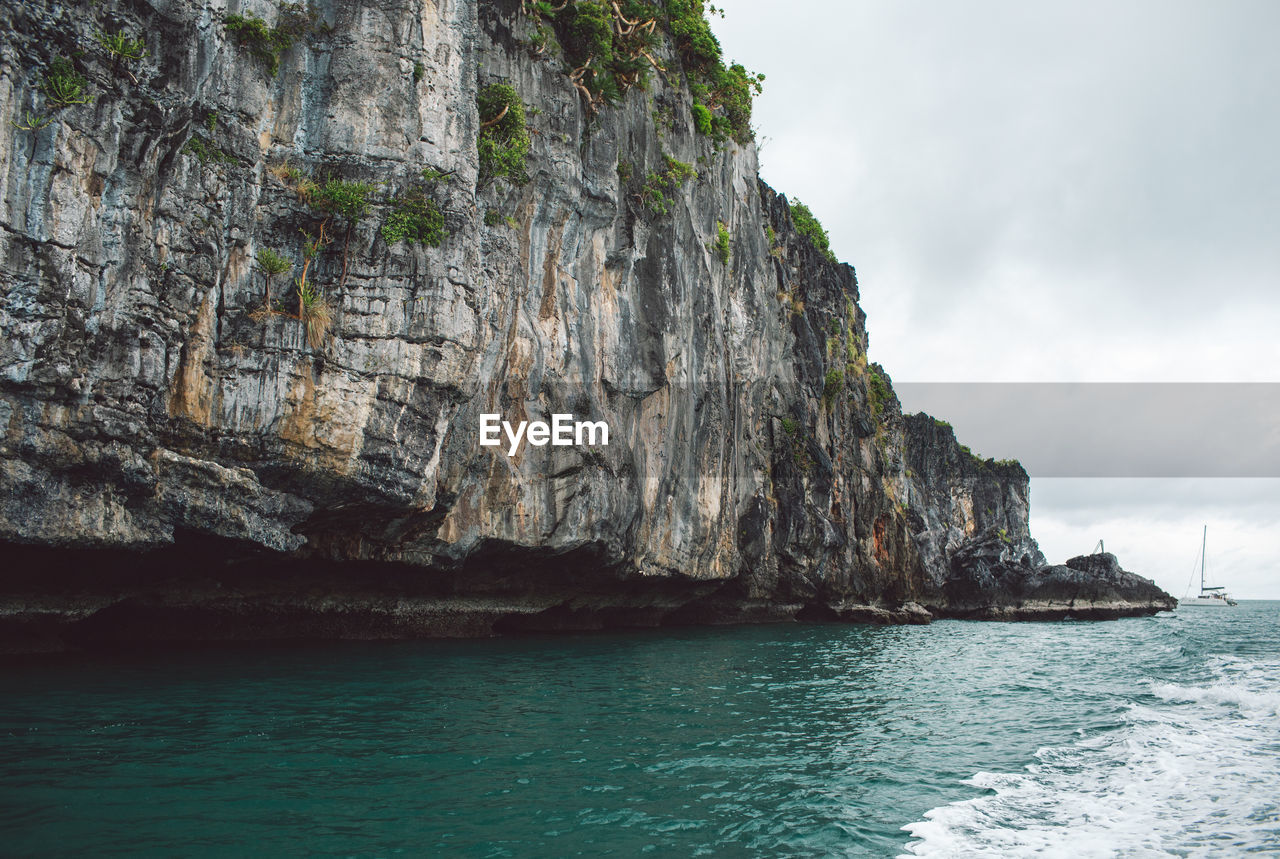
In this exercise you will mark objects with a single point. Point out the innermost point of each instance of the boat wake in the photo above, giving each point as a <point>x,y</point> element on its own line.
<point>1193,769</point>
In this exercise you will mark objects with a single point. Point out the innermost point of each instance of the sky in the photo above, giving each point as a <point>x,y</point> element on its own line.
<point>1051,192</point>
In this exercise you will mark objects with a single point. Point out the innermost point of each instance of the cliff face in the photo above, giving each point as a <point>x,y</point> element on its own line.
<point>970,519</point>
<point>178,463</point>
<point>959,501</point>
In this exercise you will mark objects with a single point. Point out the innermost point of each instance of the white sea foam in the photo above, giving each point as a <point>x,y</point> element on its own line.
<point>1197,772</point>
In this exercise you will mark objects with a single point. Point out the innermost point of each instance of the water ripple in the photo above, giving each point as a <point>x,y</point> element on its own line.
<point>797,740</point>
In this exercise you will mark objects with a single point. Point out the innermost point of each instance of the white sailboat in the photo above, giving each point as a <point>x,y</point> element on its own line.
<point>1212,597</point>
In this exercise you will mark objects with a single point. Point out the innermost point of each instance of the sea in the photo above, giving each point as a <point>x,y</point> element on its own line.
<point>1155,736</point>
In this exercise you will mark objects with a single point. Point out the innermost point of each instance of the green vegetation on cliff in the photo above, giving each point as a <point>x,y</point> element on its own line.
<point>64,85</point>
<point>723,93</point>
<point>267,43</point>
<point>660,186</point>
<point>313,311</point>
<point>877,389</point>
<point>723,242</point>
<point>503,142</point>
<point>608,44</point>
<point>832,385</point>
<point>809,227</point>
<point>207,151</point>
<point>121,50</point>
<point>415,218</point>
<point>349,200</point>
<point>609,47</point>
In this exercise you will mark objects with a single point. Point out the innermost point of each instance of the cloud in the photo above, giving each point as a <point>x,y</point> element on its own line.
<point>1092,182</point>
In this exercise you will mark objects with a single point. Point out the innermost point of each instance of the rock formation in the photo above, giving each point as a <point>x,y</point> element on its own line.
<point>180,461</point>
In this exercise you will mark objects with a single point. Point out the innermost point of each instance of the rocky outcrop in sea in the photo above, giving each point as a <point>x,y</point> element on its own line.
<point>195,447</point>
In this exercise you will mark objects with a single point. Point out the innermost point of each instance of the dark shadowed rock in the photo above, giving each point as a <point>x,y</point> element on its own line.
<point>984,585</point>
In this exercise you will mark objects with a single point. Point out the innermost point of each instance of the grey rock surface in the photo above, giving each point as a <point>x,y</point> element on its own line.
<point>175,464</point>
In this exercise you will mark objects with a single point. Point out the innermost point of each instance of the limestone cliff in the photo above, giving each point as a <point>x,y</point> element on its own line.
<point>180,461</point>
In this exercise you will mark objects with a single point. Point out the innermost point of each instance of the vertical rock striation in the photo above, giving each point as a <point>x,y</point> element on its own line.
<point>177,463</point>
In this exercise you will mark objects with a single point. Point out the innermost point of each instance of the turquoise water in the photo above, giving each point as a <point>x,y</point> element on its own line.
<point>1153,736</point>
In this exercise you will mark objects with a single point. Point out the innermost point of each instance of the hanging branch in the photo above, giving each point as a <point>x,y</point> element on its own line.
<point>650,58</point>
<point>576,74</point>
<point>575,77</point>
<point>620,20</point>
<point>496,119</point>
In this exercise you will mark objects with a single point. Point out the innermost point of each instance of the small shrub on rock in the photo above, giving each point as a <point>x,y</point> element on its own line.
<point>809,227</point>
<point>271,264</point>
<point>660,186</point>
<point>503,142</point>
<point>416,219</point>
<point>64,85</point>
<point>832,385</point>
<point>722,245</point>
<point>267,43</point>
<point>349,200</point>
<point>313,311</point>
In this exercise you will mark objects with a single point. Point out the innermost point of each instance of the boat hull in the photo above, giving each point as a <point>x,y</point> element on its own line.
<point>1206,603</point>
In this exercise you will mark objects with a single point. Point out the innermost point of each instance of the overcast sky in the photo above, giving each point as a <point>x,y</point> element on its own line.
<point>1050,191</point>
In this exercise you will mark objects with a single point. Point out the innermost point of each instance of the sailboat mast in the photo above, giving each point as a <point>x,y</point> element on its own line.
<point>1203,539</point>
